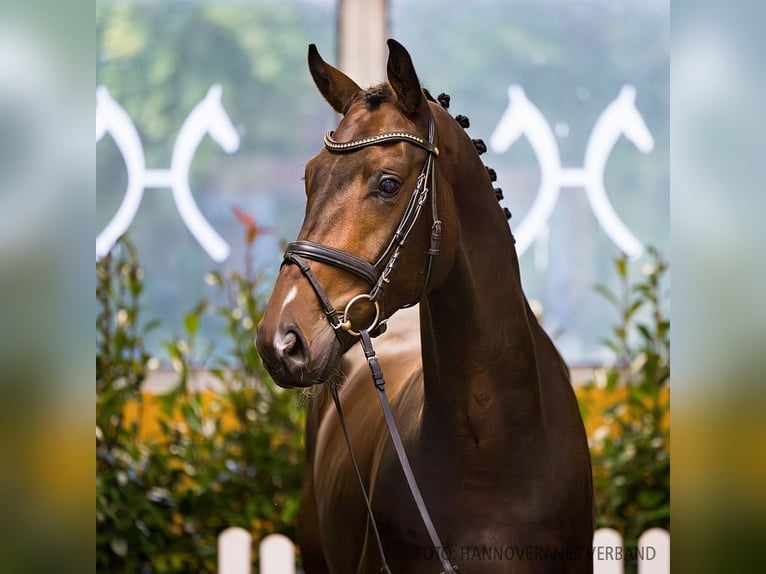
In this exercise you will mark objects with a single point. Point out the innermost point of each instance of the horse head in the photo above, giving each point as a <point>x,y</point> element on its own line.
<point>399,210</point>
<point>362,192</point>
<point>629,119</point>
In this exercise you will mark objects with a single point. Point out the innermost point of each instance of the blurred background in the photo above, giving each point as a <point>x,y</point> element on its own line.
<point>209,107</point>
<point>158,60</point>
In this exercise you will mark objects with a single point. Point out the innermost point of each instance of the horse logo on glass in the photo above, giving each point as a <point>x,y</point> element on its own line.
<point>208,116</point>
<point>522,117</point>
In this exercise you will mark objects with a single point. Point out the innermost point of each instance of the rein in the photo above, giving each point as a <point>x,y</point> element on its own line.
<point>377,275</point>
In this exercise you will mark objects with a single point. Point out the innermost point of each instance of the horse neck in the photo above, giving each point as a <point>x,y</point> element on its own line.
<point>477,331</point>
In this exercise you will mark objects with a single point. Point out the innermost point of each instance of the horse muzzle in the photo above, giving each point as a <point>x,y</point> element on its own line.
<point>291,359</point>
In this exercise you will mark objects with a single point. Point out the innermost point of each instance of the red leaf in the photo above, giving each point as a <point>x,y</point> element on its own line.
<point>252,229</point>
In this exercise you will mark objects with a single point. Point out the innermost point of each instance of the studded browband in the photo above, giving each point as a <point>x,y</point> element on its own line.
<point>334,145</point>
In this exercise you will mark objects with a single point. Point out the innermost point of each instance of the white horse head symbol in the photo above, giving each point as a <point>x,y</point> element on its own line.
<point>523,118</point>
<point>208,116</point>
<point>112,118</point>
<point>627,116</point>
<point>513,122</point>
<point>621,116</point>
<point>102,101</point>
<point>219,124</point>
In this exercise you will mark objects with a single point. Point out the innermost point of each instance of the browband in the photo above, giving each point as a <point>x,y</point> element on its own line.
<point>352,145</point>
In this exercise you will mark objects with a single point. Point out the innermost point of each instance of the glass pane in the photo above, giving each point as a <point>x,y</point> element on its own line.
<point>569,61</point>
<point>157,61</point>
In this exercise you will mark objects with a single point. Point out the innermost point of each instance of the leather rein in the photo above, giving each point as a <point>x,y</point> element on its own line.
<point>377,275</point>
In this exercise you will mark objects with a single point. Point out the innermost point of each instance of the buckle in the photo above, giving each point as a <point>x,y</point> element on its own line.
<point>345,322</point>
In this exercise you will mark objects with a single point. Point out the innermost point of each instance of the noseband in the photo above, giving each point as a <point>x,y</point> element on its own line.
<point>298,251</point>
<point>376,274</point>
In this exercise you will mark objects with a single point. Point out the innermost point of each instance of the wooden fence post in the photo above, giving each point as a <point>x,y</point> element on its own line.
<point>234,551</point>
<point>277,552</point>
<point>654,552</point>
<point>607,552</point>
<point>277,555</point>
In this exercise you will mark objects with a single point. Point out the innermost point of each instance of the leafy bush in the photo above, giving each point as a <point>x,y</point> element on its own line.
<point>229,458</point>
<point>234,457</point>
<point>631,449</point>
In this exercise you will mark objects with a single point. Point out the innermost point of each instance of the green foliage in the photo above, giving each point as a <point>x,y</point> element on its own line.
<point>158,59</point>
<point>233,459</point>
<point>631,450</point>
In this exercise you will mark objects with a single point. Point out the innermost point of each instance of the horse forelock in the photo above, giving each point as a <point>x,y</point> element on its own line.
<point>376,95</point>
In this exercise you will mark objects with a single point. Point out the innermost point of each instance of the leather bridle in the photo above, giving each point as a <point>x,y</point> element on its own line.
<point>377,275</point>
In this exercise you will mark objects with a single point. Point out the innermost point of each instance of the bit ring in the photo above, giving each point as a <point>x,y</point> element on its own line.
<point>345,322</point>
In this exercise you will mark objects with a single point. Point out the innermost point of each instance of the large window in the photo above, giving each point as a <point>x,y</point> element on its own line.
<point>261,121</point>
<point>539,76</point>
<point>571,97</point>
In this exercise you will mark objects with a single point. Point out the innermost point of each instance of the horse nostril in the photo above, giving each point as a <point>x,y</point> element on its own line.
<point>292,350</point>
<point>290,346</point>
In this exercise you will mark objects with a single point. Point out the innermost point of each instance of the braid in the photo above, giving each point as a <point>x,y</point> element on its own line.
<point>480,146</point>
<point>444,101</point>
<point>463,122</point>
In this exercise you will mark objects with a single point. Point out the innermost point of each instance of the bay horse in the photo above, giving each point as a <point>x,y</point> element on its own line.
<point>485,407</point>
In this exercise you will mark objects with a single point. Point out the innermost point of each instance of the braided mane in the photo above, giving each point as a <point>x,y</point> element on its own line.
<point>444,101</point>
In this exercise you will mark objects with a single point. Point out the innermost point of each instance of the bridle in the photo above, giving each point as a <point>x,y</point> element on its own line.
<point>377,275</point>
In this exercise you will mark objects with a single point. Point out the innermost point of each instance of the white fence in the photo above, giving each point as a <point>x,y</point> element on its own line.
<point>277,553</point>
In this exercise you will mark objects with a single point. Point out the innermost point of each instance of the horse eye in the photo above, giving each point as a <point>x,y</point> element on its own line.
<point>388,186</point>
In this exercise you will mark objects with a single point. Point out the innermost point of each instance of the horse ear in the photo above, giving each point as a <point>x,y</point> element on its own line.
<point>336,87</point>
<point>404,80</point>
